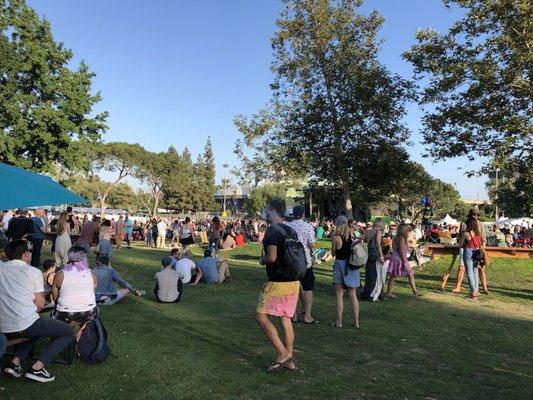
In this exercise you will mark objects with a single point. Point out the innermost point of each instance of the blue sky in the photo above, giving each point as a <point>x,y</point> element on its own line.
<point>176,72</point>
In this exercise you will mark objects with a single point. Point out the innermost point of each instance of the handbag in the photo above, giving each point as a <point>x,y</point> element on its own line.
<point>478,255</point>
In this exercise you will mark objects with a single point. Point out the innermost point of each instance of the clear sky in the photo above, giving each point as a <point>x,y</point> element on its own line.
<point>176,72</point>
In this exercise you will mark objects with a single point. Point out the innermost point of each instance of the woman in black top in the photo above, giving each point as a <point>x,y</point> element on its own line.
<point>343,276</point>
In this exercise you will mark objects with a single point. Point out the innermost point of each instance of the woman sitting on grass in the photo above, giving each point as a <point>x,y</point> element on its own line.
<point>399,263</point>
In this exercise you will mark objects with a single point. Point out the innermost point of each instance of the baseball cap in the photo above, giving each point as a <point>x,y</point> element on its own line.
<point>298,212</point>
<point>167,260</point>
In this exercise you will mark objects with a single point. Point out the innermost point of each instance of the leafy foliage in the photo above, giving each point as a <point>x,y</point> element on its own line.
<point>332,98</point>
<point>44,105</point>
<point>478,88</point>
<point>260,196</point>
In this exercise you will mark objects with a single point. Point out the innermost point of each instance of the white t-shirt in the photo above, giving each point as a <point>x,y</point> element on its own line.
<point>184,268</point>
<point>18,283</point>
<point>5,219</point>
<point>161,228</point>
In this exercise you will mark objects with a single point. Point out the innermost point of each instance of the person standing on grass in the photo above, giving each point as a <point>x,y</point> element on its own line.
<point>471,242</point>
<point>343,277</point>
<point>21,299</point>
<point>161,234</point>
<point>119,232</point>
<point>374,277</point>
<point>279,295</point>
<point>39,228</point>
<point>399,263</point>
<point>128,227</point>
<point>306,235</point>
<point>473,214</point>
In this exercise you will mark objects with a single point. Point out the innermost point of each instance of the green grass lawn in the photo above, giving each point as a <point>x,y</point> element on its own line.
<point>208,346</point>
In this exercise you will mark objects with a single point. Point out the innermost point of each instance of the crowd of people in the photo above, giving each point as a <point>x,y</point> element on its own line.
<point>67,286</point>
<point>73,292</point>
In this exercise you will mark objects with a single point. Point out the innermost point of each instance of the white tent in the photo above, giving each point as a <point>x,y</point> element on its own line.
<point>514,221</point>
<point>448,220</point>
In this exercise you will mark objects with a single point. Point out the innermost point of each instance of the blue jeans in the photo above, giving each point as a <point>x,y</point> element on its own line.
<point>471,270</point>
<point>106,249</point>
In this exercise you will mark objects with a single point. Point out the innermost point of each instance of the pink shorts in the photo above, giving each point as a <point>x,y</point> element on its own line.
<point>279,299</point>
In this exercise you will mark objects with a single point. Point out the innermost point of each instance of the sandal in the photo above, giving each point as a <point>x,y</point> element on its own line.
<point>311,322</point>
<point>336,325</point>
<point>277,365</point>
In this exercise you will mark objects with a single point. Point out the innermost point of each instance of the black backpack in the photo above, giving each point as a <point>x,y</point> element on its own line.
<point>294,266</point>
<point>92,347</point>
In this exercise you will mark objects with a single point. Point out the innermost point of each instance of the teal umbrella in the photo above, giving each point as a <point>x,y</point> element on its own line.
<point>21,188</point>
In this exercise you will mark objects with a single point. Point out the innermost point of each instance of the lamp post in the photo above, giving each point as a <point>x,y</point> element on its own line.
<point>225,183</point>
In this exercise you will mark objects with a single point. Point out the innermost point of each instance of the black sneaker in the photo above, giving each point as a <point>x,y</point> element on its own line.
<point>40,375</point>
<point>14,370</point>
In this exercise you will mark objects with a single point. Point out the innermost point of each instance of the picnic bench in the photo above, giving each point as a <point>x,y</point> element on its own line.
<point>492,251</point>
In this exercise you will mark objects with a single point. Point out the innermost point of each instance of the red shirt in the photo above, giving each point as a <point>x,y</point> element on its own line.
<point>474,242</point>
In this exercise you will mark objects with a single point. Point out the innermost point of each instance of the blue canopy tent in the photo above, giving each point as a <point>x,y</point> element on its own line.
<point>21,188</point>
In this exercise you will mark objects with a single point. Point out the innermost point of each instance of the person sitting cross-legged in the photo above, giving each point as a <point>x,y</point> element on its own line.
<point>185,267</point>
<point>107,293</point>
<point>73,289</point>
<point>168,286</point>
<point>21,298</point>
<point>211,274</point>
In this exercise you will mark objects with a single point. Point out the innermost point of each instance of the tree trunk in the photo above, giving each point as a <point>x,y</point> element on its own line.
<point>347,199</point>
<point>156,203</point>
<point>102,205</point>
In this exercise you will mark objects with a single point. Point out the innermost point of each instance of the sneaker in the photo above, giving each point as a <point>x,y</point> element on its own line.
<point>41,375</point>
<point>14,370</point>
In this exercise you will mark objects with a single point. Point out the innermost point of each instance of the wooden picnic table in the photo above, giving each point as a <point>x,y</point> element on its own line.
<point>492,251</point>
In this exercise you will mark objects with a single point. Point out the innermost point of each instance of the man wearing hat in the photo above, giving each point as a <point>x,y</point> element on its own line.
<point>168,286</point>
<point>306,236</point>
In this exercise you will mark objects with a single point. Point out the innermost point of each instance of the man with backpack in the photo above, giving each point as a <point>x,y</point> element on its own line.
<point>279,294</point>
<point>306,235</point>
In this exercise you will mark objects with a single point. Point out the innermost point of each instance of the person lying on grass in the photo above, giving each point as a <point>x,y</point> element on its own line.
<point>208,268</point>
<point>168,286</point>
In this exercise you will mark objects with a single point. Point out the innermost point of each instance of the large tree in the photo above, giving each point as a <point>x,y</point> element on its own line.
<point>331,95</point>
<point>154,170</point>
<point>45,105</point>
<point>203,179</point>
<point>178,190</point>
<point>120,159</point>
<point>477,84</point>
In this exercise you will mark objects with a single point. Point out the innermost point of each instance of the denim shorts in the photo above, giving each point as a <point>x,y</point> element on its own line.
<point>342,275</point>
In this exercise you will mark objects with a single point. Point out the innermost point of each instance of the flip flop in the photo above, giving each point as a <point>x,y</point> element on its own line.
<point>312,322</point>
<point>335,325</point>
<point>277,365</point>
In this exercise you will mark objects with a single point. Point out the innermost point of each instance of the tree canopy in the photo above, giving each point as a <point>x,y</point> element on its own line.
<point>477,84</point>
<point>333,101</point>
<point>45,106</point>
